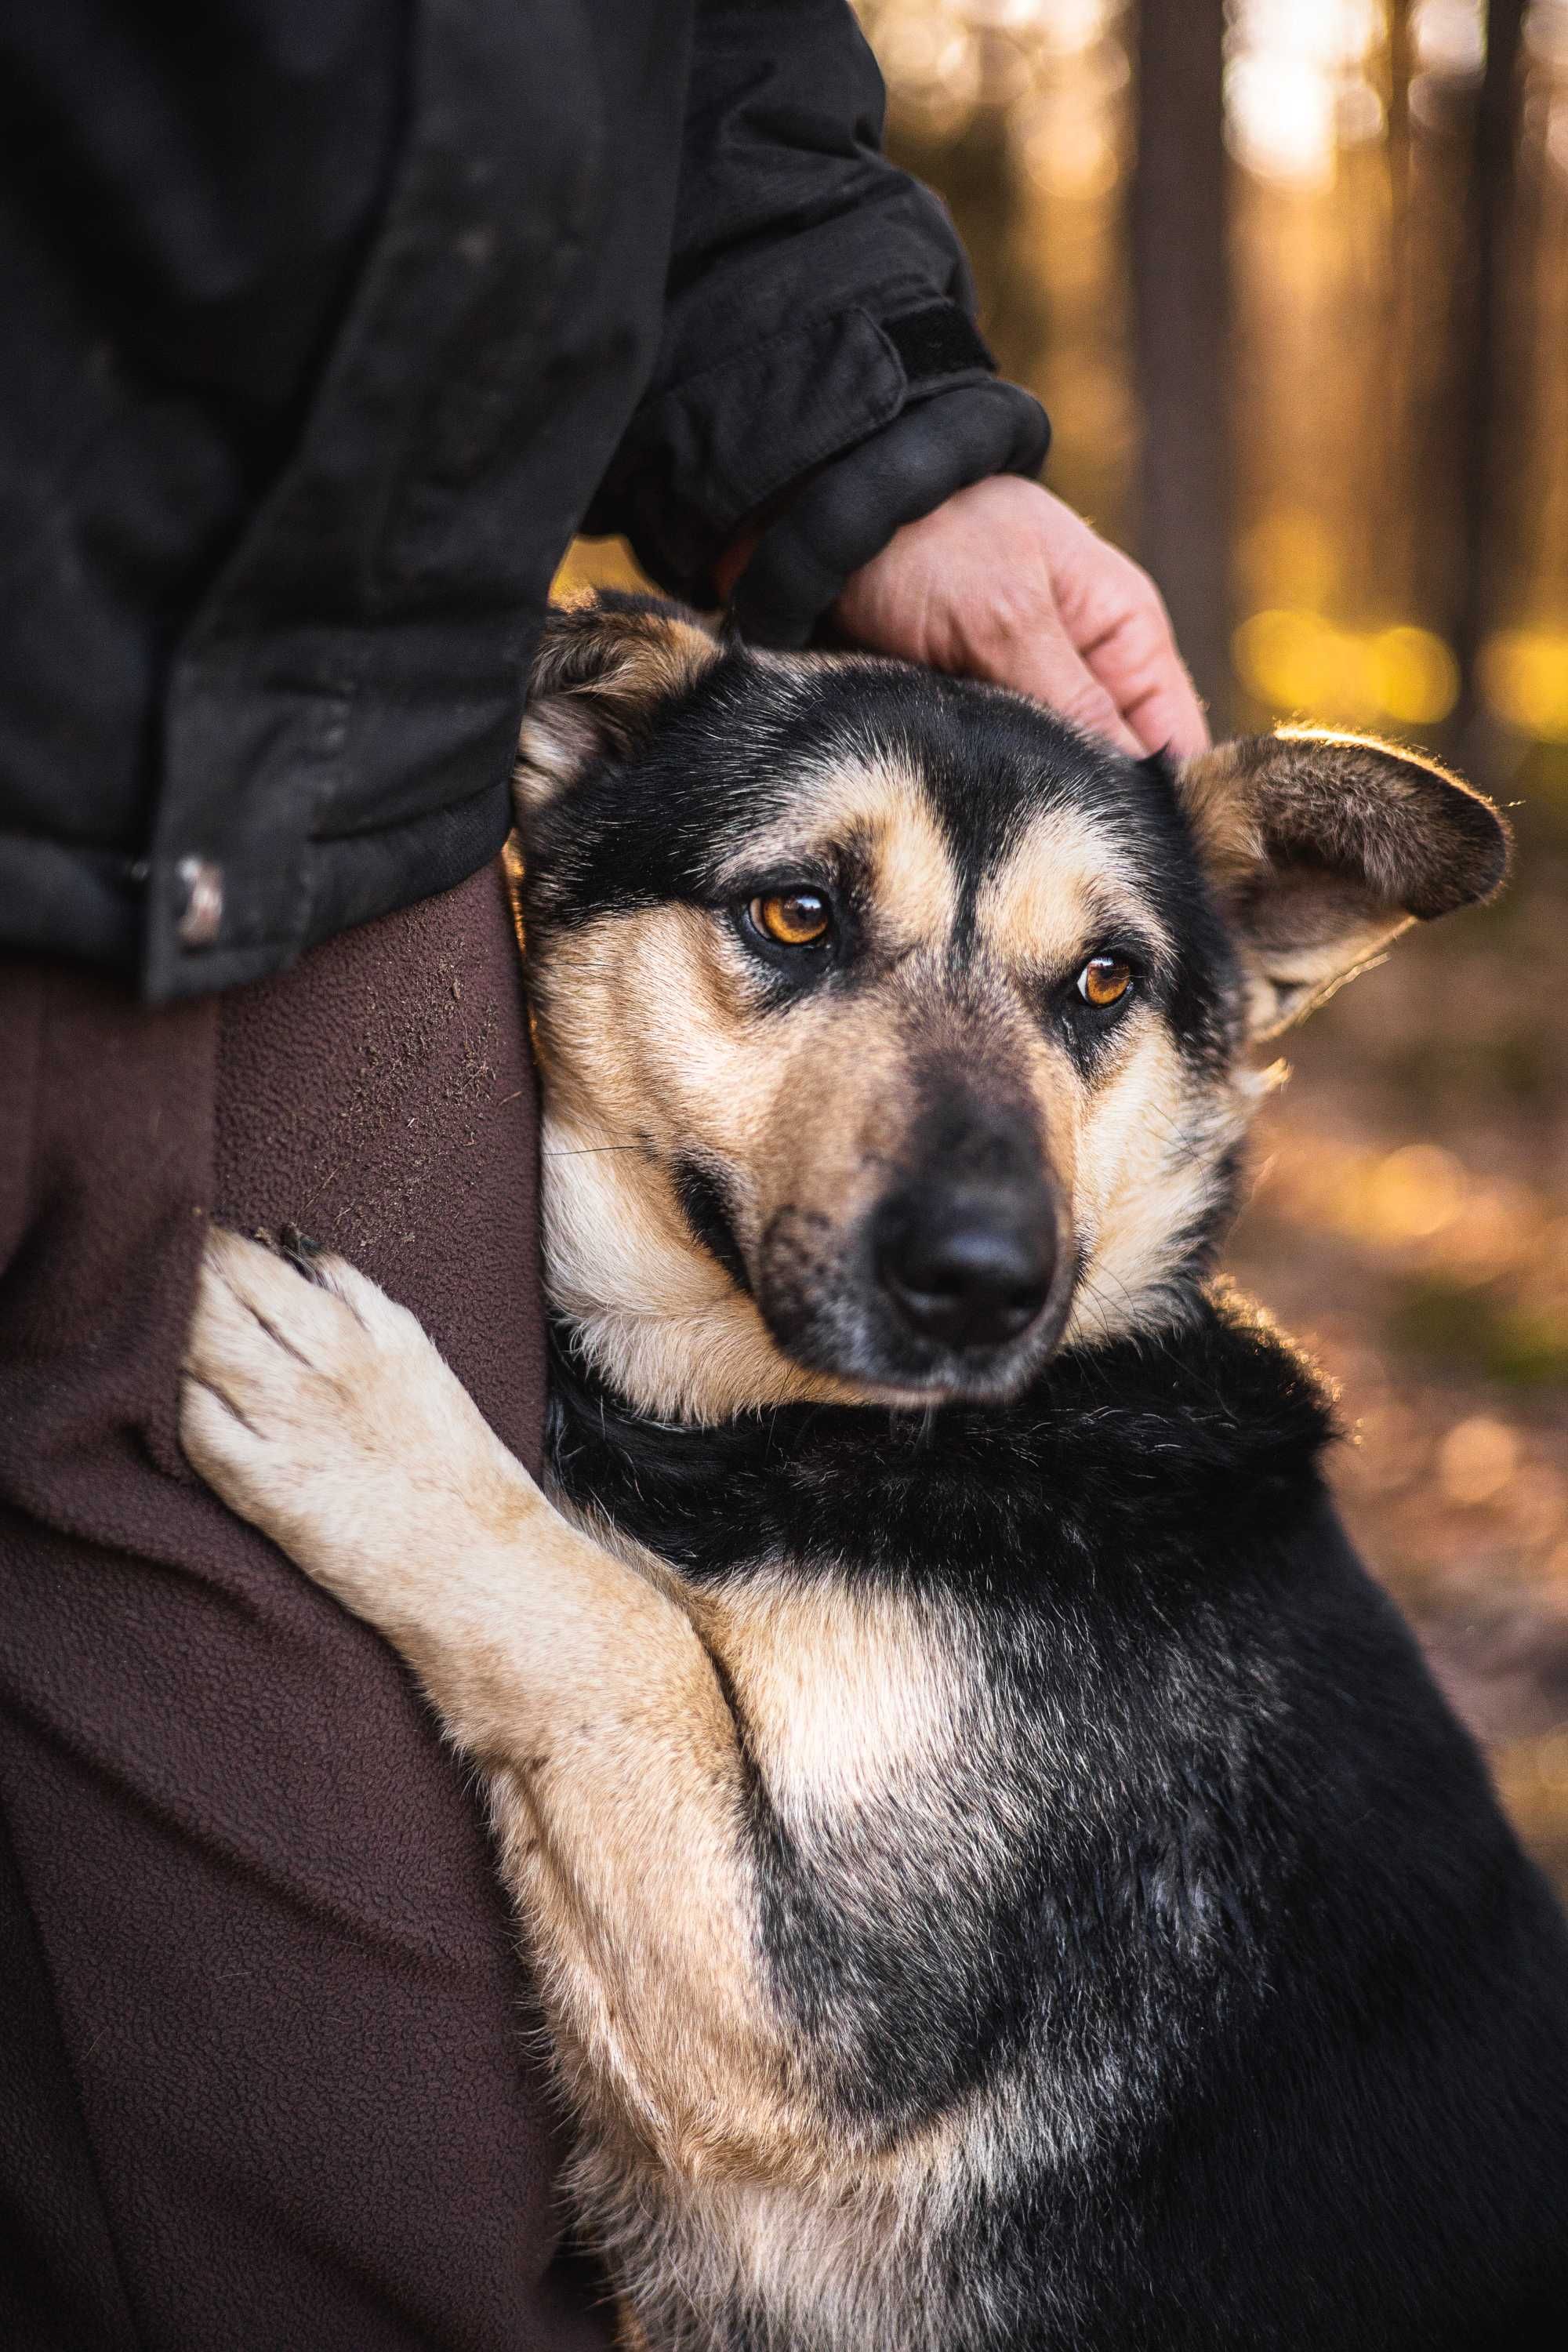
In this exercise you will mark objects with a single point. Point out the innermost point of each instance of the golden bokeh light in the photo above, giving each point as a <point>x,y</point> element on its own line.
<point>1416,1193</point>
<point>1524,677</point>
<point>1448,37</point>
<point>1477,1458</point>
<point>1297,662</point>
<point>1299,85</point>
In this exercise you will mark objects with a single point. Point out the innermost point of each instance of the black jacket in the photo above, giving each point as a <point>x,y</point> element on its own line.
<point>328,322</point>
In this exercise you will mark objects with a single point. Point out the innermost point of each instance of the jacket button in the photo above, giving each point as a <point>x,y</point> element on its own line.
<point>202,919</point>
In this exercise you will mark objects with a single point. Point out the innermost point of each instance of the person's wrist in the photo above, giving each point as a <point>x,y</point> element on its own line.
<point>782,573</point>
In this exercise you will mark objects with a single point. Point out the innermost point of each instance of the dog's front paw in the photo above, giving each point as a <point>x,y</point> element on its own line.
<point>319,1409</point>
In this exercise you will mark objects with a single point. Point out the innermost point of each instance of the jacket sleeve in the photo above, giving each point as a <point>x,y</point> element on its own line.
<point>820,372</point>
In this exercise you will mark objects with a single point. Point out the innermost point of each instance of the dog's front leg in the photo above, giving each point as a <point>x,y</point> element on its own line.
<point>319,1411</point>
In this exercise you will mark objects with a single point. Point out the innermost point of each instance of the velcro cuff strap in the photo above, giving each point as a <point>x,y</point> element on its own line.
<point>939,339</point>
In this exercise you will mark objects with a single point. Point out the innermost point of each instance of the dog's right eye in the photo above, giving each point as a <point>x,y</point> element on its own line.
<point>790,919</point>
<point>1104,981</point>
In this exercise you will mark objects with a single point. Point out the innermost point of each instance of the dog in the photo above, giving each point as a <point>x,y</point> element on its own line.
<point>999,1873</point>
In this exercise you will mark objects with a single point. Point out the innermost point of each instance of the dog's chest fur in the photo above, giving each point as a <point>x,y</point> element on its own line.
<point>1009,1701</point>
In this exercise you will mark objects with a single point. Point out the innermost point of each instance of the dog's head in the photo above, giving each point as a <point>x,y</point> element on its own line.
<point>893,1033</point>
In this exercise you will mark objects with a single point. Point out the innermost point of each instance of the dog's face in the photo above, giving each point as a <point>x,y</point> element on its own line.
<point>893,1033</point>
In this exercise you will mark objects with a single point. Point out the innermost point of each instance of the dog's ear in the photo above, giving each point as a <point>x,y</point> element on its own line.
<point>602,671</point>
<point>1323,848</point>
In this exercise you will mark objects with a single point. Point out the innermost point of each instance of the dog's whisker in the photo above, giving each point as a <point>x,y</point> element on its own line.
<point>591,1151</point>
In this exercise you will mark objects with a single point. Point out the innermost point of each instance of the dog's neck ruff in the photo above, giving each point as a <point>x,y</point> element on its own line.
<point>1128,1449</point>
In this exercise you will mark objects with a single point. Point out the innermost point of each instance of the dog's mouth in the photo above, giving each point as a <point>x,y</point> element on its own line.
<point>941,1293</point>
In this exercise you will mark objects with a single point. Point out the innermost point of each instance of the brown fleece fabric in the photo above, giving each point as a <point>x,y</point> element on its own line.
<point>264,2074</point>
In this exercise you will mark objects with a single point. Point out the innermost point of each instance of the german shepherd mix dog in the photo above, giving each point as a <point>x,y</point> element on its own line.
<point>1000,1873</point>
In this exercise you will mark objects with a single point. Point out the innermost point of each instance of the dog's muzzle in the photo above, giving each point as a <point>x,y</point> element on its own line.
<point>952,1282</point>
<point>967,1266</point>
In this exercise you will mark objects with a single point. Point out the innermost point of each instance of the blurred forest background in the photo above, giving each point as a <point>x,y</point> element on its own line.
<point>1291,278</point>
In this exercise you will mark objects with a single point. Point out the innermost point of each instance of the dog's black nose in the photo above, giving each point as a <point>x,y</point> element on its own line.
<point>969,1268</point>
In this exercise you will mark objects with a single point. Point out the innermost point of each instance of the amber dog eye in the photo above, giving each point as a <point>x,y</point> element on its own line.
<point>792,919</point>
<point>1104,981</point>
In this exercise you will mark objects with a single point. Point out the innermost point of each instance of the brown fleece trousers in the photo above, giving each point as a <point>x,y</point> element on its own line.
<point>264,2071</point>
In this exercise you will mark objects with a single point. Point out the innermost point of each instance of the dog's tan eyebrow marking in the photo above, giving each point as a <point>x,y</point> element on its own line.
<point>1059,891</point>
<point>872,809</point>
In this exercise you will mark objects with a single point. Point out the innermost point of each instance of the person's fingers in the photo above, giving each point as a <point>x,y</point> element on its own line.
<point>1039,660</point>
<point>1137,663</point>
<point>1005,582</point>
<point>1170,718</point>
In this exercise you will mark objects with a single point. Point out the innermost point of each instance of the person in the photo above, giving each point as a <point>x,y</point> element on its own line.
<point>331,323</point>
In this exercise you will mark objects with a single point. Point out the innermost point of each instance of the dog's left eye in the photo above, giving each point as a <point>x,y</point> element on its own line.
<point>792,919</point>
<point>1104,982</point>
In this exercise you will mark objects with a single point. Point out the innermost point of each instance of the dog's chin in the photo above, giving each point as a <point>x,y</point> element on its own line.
<point>843,1329</point>
<point>876,1367</point>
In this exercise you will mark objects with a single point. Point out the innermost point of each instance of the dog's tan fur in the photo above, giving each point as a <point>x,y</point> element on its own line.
<point>600,1693</point>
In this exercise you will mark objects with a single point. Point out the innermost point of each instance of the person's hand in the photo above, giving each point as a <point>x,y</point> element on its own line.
<point>1004,583</point>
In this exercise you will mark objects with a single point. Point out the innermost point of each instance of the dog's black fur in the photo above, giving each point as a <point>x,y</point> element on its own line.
<point>1265,1941</point>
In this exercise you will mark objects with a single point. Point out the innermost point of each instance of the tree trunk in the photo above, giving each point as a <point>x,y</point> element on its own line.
<point>1484,476</point>
<point>1181,312</point>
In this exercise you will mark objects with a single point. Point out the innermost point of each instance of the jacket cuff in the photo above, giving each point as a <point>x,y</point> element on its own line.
<point>849,509</point>
<point>727,443</point>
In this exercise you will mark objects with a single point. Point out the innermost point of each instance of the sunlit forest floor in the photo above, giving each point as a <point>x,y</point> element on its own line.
<point>1409,1220</point>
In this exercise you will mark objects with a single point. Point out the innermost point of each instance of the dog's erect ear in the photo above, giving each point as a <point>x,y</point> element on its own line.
<point>1323,848</point>
<point>601,674</point>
